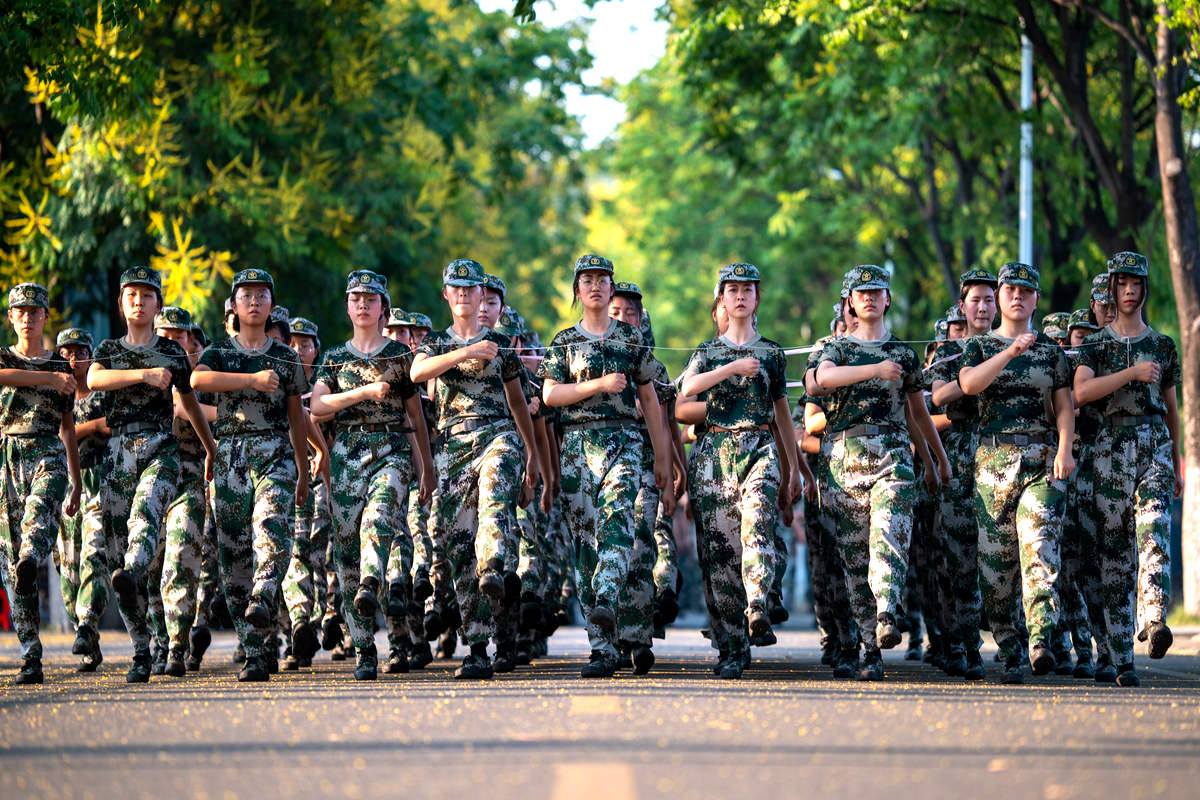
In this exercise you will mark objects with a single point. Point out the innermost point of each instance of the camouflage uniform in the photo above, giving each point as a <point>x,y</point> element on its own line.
<point>1019,505</point>
<point>870,477</point>
<point>479,462</point>
<point>736,483</point>
<point>143,469</point>
<point>33,476</point>
<point>601,462</point>
<point>304,583</point>
<point>255,480</point>
<point>1135,482</point>
<point>84,585</point>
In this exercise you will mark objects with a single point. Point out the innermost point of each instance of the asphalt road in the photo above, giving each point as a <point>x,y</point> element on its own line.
<point>786,729</point>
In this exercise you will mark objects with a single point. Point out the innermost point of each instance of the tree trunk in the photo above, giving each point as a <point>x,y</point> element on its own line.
<point>1183,247</point>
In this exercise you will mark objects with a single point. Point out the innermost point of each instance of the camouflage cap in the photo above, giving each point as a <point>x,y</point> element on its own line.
<point>254,276</point>
<point>1080,318</point>
<point>145,276</point>
<point>739,272</point>
<point>510,323</point>
<point>280,314</point>
<point>1128,263</point>
<point>647,329</point>
<point>464,272</point>
<point>1015,273</point>
<point>174,318</point>
<point>74,336</point>
<point>200,335</point>
<point>1055,325</point>
<point>837,312</point>
<point>228,306</point>
<point>955,314</point>
<point>397,318</point>
<point>300,326</point>
<point>941,330</point>
<point>1100,289</point>
<point>977,276</point>
<point>628,288</point>
<point>590,262</point>
<point>866,277</point>
<point>364,280</point>
<point>417,320</point>
<point>494,283</point>
<point>845,286</point>
<point>29,294</point>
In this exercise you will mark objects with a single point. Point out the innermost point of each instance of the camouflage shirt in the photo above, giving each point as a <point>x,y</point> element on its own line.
<point>945,368</point>
<point>32,410</point>
<point>576,356</point>
<point>741,401</point>
<point>345,367</point>
<point>871,402</point>
<point>142,402</point>
<point>1105,353</point>
<point>1021,399</point>
<point>91,448</point>
<point>1089,419</point>
<point>248,411</point>
<point>189,441</point>
<point>473,389</point>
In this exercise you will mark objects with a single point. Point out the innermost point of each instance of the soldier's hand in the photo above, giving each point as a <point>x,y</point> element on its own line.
<point>810,491</point>
<point>158,377</point>
<point>786,513</point>
<point>71,504</point>
<point>63,382</point>
<point>547,496</point>
<point>944,471</point>
<point>1022,343</point>
<point>680,479</point>
<point>318,463</point>
<point>301,489</point>
<point>614,383</point>
<point>794,490</point>
<point>209,465</point>
<point>888,371</point>
<point>266,381</point>
<point>424,489</point>
<point>534,404</point>
<point>1064,463</point>
<point>376,391</point>
<point>1178,480</point>
<point>931,481</point>
<point>485,350</point>
<point>526,495</point>
<point>1146,372</point>
<point>748,366</point>
<point>532,471</point>
<point>103,427</point>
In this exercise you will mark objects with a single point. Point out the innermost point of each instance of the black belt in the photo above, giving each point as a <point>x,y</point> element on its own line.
<point>720,429</point>
<point>1018,439</point>
<point>138,427</point>
<point>862,430</point>
<point>472,425</point>
<point>600,424</point>
<point>376,427</point>
<point>1119,421</point>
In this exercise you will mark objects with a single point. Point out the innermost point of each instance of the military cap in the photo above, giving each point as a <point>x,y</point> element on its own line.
<point>1128,263</point>
<point>837,312</point>
<point>464,272</point>
<point>280,314</point>
<point>29,294</point>
<point>397,318</point>
<point>941,330</point>
<point>173,317</point>
<point>145,276</point>
<point>955,314</point>
<point>1055,325</point>
<point>738,272</point>
<point>494,283</point>
<point>647,329</point>
<point>300,326</point>
<point>510,323</point>
<point>200,335</point>
<point>591,262</point>
<point>74,336</point>
<point>846,285</point>
<point>254,276</point>
<point>229,306</point>
<point>865,277</point>
<point>417,320</point>
<point>626,287</point>
<point>977,276</point>
<point>1017,274</point>
<point>364,280</point>
<point>1081,319</point>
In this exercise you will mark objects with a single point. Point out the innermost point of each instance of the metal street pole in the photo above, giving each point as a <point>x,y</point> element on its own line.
<point>1026,209</point>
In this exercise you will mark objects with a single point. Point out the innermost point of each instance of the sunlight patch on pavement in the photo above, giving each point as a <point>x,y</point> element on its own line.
<point>585,781</point>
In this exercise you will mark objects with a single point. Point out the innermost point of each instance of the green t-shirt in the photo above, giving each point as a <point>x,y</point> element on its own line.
<point>945,368</point>
<point>473,389</point>
<point>247,411</point>
<point>32,410</point>
<point>345,367</point>
<point>1106,352</point>
<point>873,401</point>
<point>1021,399</point>
<point>575,356</point>
<point>92,448</point>
<point>142,402</point>
<point>741,401</point>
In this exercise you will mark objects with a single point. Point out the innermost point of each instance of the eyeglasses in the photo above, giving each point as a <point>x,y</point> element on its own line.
<point>259,295</point>
<point>595,281</point>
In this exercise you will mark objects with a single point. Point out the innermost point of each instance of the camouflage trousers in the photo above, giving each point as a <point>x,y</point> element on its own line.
<point>716,631</point>
<point>1074,627</point>
<point>926,584</point>
<point>635,618</point>
<point>1019,507</point>
<point>478,484</point>
<point>210,579</point>
<point>142,479</point>
<point>368,493</point>
<point>734,492</point>
<point>831,601</point>
<point>1135,481</point>
<point>71,570</point>
<point>534,546</point>
<point>601,477</point>
<point>304,582</point>
<point>666,553</point>
<point>424,555</point>
<point>959,533</point>
<point>1080,554</point>
<point>183,555</point>
<point>871,493</point>
<point>254,499</point>
<point>33,485</point>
